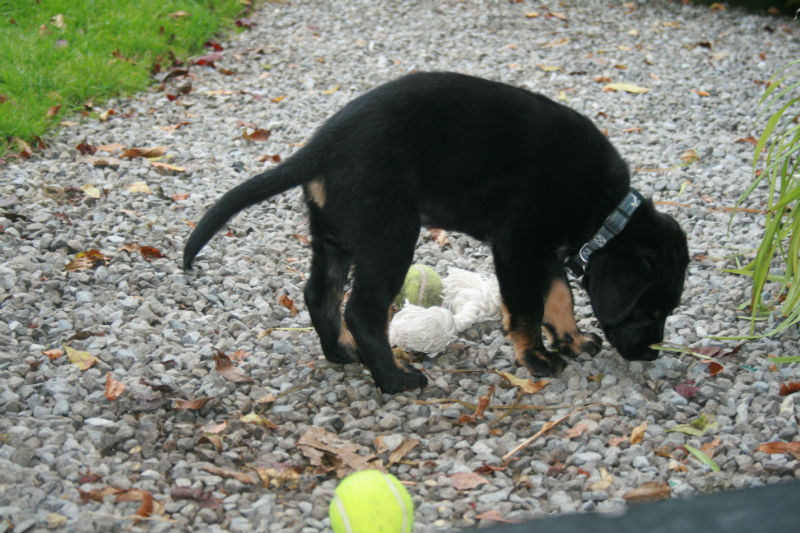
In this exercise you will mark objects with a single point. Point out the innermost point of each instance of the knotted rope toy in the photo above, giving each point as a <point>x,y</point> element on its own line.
<point>467,298</point>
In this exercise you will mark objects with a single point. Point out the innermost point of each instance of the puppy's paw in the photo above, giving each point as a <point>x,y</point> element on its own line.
<point>542,363</point>
<point>591,345</point>
<point>343,354</point>
<point>402,380</point>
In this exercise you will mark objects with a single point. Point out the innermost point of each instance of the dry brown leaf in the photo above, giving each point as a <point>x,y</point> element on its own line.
<point>238,356</point>
<point>259,135</point>
<point>494,515</point>
<point>790,387</point>
<point>111,148</point>
<point>525,385</point>
<point>675,466</point>
<point>177,197</point>
<point>166,168</point>
<point>148,252</point>
<point>215,428</point>
<point>155,151</point>
<point>648,492</point>
<point>781,447</point>
<point>258,420</point>
<point>380,445</point>
<point>439,236</point>
<point>575,431</point>
<point>467,480</point>
<point>228,370</point>
<point>146,509</point>
<point>114,387</point>
<point>328,451</point>
<point>288,303</point>
<point>637,433</point>
<point>556,42</point>
<point>603,483</point>
<point>402,450</point>
<point>55,353</point>
<point>708,448</point>
<point>616,441</point>
<point>279,475</point>
<point>191,405</point>
<point>244,477</point>
<point>483,403</point>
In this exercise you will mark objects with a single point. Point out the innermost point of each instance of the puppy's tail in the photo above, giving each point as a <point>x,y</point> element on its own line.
<point>256,189</point>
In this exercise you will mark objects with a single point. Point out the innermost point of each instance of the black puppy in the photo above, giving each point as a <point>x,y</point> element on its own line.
<point>531,177</point>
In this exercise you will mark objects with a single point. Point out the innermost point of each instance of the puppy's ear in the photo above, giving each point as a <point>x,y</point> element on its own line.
<point>616,282</point>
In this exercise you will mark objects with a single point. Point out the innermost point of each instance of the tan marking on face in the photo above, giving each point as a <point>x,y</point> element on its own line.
<point>316,189</point>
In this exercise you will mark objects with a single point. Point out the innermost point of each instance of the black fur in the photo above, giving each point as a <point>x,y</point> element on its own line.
<point>531,177</point>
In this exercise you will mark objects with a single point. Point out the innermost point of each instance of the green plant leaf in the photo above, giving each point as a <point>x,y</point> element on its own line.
<point>784,360</point>
<point>701,455</point>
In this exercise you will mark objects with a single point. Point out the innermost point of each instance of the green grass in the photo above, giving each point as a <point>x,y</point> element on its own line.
<point>777,153</point>
<point>104,48</point>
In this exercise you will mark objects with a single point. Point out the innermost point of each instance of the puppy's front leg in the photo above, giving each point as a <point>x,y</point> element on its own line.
<point>559,321</point>
<point>523,278</point>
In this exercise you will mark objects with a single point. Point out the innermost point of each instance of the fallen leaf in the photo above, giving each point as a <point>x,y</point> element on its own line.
<point>179,14</point>
<point>114,387</point>
<point>714,368</point>
<point>205,500</point>
<point>708,447</point>
<point>228,370</point>
<point>85,148</point>
<point>331,90</point>
<point>55,353</point>
<point>675,466</point>
<point>467,480</point>
<point>556,42</point>
<point>239,356</point>
<point>279,474</point>
<point>697,427</point>
<point>215,428</point>
<point>789,387</point>
<point>603,483</point>
<point>259,135</point>
<point>146,509</point>
<point>179,197</point>
<point>525,385</point>
<point>602,79</point>
<point>494,515</point>
<point>149,252</point>
<point>165,168</point>
<point>139,187</point>
<point>616,441</point>
<point>402,450</point>
<point>555,470</point>
<point>781,447</point>
<point>327,451</point>
<point>243,477</point>
<point>575,431</point>
<point>208,60</point>
<point>702,93</point>
<point>531,14</point>
<point>107,113</point>
<point>687,390</point>
<point>156,151</point>
<point>626,87</point>
<point>637,433</point>
<point>549,68</point>
<point>245,23</point>
<point>53,111</point>
<point>191,405</point>
<point>288,303</point>
<point>81,359</point>
<point>702,457</point>
<point>648,492</point>
<point>58,21</point>
<point>267,398</point>
<point>91,191</point>
<point>214,440</point>
<point>751,140</point>
<point>258,420</point>
<point>274,158</point>
<point>483,403</point>
<point>111,148</point>
<point>278,99</point>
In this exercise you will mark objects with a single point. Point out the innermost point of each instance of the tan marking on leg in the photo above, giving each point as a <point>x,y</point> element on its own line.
<point>506,317</point>
<point>346,338</point>
<point>316,190</point>
<point>559,319</point>
<point>558,309</point>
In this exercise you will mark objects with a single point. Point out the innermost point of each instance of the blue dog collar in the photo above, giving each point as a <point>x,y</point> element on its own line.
<point>578,264</point>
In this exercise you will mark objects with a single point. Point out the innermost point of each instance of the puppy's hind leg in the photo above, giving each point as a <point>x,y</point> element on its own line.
<point>324,291</point>
<point>379,273</point>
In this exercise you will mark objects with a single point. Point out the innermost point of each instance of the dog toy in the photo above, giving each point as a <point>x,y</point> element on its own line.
<point>422,287</point>
<point>467,298</point>
<point>371,501</point>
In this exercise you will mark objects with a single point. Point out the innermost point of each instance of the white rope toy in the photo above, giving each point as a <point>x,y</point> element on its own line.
<point>467,298</point>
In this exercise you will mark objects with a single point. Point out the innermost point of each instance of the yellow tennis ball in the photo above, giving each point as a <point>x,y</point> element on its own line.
<point>370,501</point>
<point>422,286</point>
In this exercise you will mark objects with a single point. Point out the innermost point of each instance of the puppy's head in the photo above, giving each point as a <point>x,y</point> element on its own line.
<point>636,280</point>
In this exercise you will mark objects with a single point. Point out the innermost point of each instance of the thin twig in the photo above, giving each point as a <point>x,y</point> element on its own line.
<point>545,428</point>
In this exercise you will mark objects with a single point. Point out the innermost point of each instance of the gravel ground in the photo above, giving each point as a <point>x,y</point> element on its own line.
<point>70,458</point>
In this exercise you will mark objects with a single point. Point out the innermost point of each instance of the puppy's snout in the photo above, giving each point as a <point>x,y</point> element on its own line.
<point>649,354</point>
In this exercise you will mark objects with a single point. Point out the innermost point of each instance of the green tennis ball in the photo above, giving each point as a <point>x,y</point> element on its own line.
<point>370,501</point>
<point>422,286</point>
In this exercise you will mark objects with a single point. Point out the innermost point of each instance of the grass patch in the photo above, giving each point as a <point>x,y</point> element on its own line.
<point>67,52</point>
